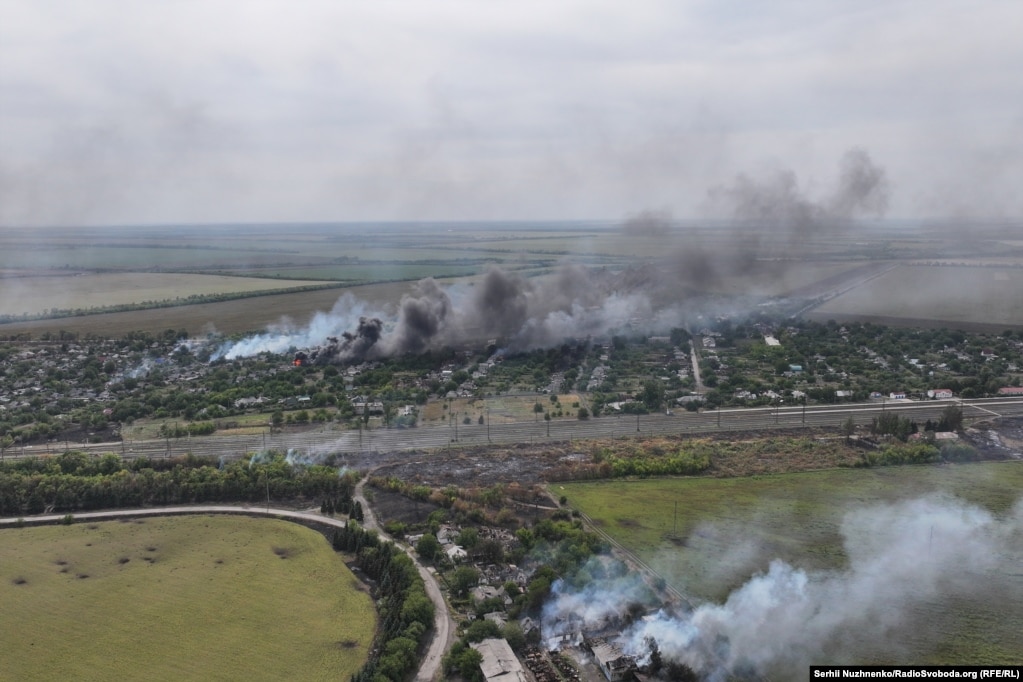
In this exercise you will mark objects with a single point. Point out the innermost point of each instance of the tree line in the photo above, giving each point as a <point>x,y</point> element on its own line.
<point>406,612</point>
<point>77,481</point>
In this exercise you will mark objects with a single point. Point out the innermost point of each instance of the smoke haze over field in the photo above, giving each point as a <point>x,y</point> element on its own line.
<point>899,556</point>
<point>577,302</point>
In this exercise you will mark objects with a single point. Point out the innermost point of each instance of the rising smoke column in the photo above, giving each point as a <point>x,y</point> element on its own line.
<point>286,335</point>
<point>771,217</point>
<point>352,346</point>
<point>777,201</point>
<point>899,556</point>
<point>422,317</point>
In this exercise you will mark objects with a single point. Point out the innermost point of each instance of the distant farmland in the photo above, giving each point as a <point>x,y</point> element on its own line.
<point>228,317</point>
<point>89,267</point>
<point>35,295</point>
<point>196,597</point>
<point>933,295</point>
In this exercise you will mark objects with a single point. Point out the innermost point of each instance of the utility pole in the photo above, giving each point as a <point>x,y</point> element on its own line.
<point>488,425</point>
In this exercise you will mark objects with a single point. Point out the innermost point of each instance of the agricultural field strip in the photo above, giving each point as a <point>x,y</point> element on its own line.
<point>955,294</point>
<point>37,295</point>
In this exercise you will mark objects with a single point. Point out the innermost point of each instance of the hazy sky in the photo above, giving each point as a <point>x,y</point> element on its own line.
<point>155,111</point>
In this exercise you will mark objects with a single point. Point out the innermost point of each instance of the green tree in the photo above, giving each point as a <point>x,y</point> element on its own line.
<point>652,395</point>
<point>463,579</point>
<point>428,546</point>
<point>848,428</point>
<point>468,538</point>
<point>951,419</point>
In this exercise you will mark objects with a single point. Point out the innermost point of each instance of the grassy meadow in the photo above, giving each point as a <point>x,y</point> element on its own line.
<point>199,597</point>
<point>709,536</point>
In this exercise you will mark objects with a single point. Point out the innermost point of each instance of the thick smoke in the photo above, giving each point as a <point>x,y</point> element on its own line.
<point>286,336</point>
<point>522,313</point>
<point>902,555</point>
<point>649,223</point>
<point>576,302</point>
<point>771,218</point>
<point>862,190</point>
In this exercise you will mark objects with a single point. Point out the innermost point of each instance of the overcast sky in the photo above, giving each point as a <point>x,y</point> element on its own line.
<point>162,111</point>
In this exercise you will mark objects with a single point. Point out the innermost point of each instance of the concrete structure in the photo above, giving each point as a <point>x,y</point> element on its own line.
<point>499,661</point>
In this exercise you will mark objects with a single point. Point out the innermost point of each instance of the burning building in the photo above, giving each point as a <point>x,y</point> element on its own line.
<point>613,662</point>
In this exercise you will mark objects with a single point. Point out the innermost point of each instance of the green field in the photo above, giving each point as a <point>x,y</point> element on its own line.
<point>199,597</point>
<point>726,530</point>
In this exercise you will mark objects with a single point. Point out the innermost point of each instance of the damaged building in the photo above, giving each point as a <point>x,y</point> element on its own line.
<point>499,662</point>
<point>614,663</point>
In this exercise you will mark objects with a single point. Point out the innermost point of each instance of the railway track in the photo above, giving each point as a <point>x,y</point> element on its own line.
<point>330,440</point>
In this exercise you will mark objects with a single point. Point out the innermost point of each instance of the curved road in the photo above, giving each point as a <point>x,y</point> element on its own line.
<point>443,624</point>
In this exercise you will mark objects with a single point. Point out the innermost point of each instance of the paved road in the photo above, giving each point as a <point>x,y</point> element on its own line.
<point>332,439</point>
<point>430,666</point>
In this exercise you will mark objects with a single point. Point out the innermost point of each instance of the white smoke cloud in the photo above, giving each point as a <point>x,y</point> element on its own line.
<point>899,555</point>
<point>284,336</point>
